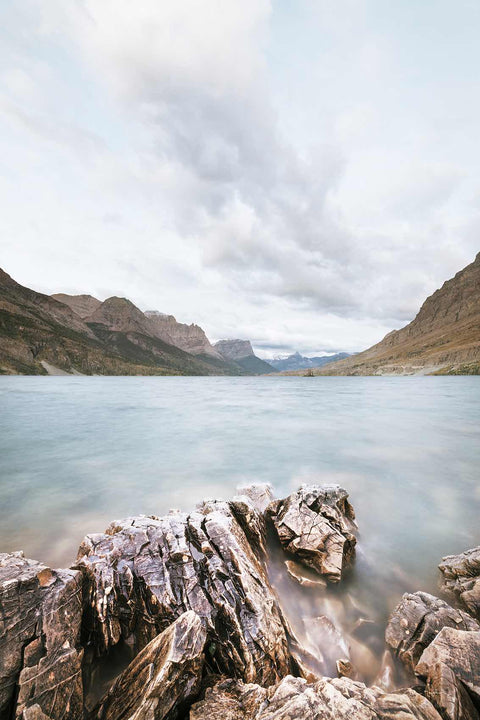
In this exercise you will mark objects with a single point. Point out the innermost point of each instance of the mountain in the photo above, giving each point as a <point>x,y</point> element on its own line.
<point>298,362</point>
<point>38,333</point>
<point>241,353</point>
<point>444,337</point>
<point>83,305</point>
<point>190,338</point>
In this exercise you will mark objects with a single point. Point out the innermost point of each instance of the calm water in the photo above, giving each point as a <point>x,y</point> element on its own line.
<point>76,453</point>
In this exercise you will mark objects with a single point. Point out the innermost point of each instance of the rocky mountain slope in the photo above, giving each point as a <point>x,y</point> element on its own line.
<point>241,352</point>
<point>83,305</point>
<point>190,338</point>
<point>444,336</point>
<point>37,332</point>
<point>299,362</point>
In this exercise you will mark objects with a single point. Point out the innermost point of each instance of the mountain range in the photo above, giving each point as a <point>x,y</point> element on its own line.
<point>299,362</point>
<point>443,338</point>
<point>80,334</point>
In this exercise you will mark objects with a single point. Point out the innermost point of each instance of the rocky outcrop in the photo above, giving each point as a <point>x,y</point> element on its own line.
<point>164,678</point>
<point>143,573</point>
<point>451,667</point>
<point>417,620</point>
<point>316,525</point>
<point>241,352</point>
<point>40,653</point>
<point>295,699</point>
<point>461,579</point>
<point>120,315</point>
<point>82,305</point>
<point>190,338</point>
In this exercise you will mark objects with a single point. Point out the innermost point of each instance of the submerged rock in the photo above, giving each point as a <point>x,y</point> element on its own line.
<point>163,679</point>
<point>451,667</point>
<point>145,572</point>
<point>40,656</point>
<point>416,621</point>
<point>316,524</point>
<point>295,699</point>
<point>461,579</point>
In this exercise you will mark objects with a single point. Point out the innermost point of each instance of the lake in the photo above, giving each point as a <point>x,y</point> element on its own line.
<point>78,452</point>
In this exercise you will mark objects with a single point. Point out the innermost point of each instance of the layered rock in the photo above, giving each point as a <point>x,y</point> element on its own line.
<point>417,620</point>
<point>143,573</point>
<point>316,525</point>
<point>295,699</point>
<point>164,678</point>
<point>241,353</point>
<point>461,579</point>
<point>40,653</point>
<point>83,305</point>
<point>190,338</point>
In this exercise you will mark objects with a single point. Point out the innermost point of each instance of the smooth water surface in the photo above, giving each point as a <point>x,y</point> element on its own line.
<point>76,453</point>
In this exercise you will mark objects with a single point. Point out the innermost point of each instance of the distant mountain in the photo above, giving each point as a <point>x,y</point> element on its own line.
<point>298,362</point>
<point>38,333</point>
<point>190,338</point>
<point>83,305</point>
<point>444,336</point>
<point>241,353</point>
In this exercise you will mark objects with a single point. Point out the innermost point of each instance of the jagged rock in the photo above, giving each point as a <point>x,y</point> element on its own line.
<point>301,576</point>
<point>316,524</point>
<point>40,657</point>
<point>461,579</point>
<point>164,677</point>
<point>451,667</point>
<point>295,699</point>
<point>144,572</point>
<point>415,622</point>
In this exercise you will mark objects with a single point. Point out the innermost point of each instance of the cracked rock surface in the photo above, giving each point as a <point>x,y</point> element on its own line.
<point>316,525</point>
<point>163,678</point>
<point>416,621</point>
<point>461,579</point>
<point>294,699</point>
<point>40,655</point>
<point>145,572</point>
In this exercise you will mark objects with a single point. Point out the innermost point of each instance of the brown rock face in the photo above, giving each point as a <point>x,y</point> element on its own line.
<point>164,677</point>
<point>234,349</point>
<point>83,305</point>
<point>451,667</point>
<point>461,579</point>
<point>316,525</point>
<point>120,315</point>
<point>295,699</point>
<point>445,333</point>
<point>190,338</point>
<point>417,620</point>
<point>40,655</point>
<point>143,573</point>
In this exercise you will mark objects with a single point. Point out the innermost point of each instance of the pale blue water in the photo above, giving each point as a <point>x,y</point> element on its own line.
<point>76,453</point>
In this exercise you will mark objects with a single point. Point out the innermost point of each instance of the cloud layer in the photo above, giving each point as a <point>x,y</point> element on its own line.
<point>293,173</point>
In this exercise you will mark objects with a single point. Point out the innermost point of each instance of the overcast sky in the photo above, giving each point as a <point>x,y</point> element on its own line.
<point>302,173</point>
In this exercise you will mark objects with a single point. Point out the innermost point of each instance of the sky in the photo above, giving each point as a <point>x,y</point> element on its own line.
<point>301,173</point>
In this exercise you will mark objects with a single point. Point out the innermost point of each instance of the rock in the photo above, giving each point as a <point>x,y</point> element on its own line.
<point>316,524</point>
<point>301,576</point>
<point>295,699</point>
<point>461,579</point>
<point>451,667</point>
<point>417,620</point>
<point>40,655</point>
<point>145,572</point>
<point>260,495</point>
<point>164,677</point>
<point>346,669</point>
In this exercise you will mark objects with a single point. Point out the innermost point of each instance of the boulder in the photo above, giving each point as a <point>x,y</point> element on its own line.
<point>295,699</point>
<point>461,579</point>
<point>316,525</point>
<point>416,621</point>
<point>163,679</point>
<point>40,654</point>
<point>145,572</point>
<point>451,667</point>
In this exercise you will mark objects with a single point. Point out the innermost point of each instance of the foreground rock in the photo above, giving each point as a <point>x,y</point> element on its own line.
<point>164,677</point>
<point>40,656</point>
<point>417,620</point>
<point>451,667</point>
<point>144,573</point>
<point>316,524</point>
<point>295,699</point>
<point>461,579</point>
